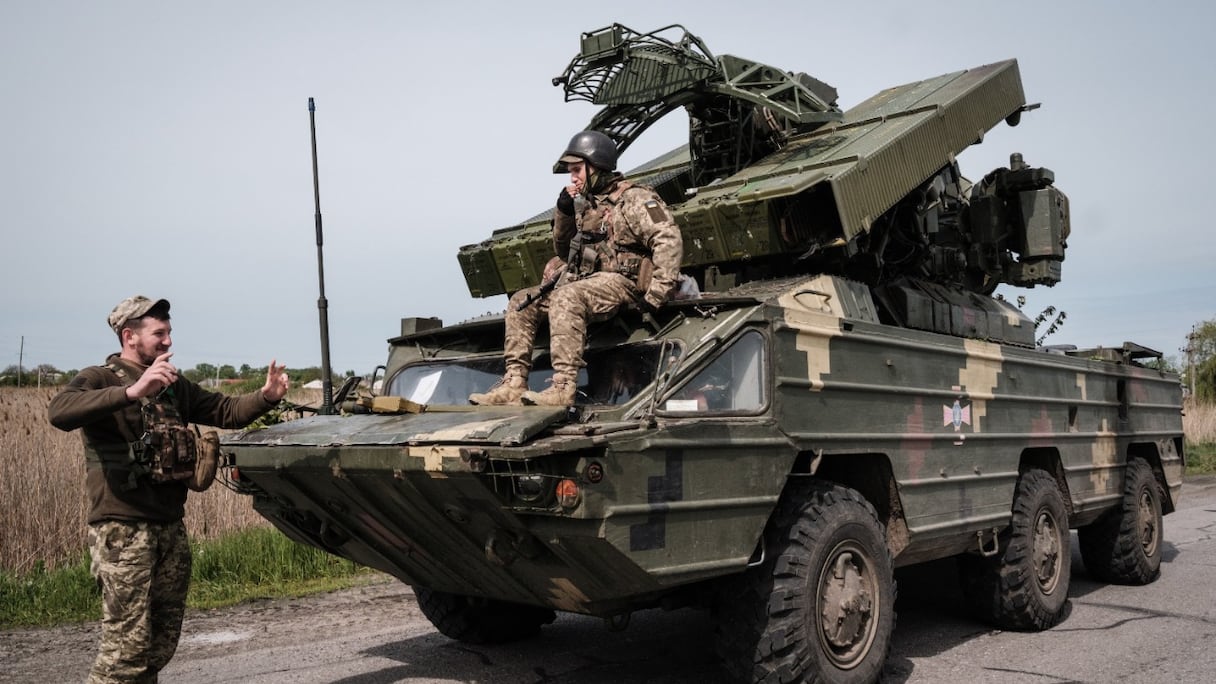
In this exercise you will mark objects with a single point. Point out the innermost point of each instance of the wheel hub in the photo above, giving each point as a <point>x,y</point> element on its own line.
<point>847,606</point>
<point>1047,552</point>
<point>1148,524</point>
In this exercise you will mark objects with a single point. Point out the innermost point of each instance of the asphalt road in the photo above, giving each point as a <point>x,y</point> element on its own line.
<point>375,634</point>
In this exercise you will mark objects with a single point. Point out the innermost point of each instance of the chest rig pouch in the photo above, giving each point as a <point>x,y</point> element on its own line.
<point>594,247</point>
<point>167,446</point>
<point>586,253</point>
<point>167,450</point>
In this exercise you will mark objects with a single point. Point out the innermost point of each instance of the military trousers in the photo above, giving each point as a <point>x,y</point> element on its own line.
<point>570,307</point>
<point>143,569</point>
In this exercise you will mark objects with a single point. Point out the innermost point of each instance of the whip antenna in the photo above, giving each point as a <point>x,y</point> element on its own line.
<point>327,384</point>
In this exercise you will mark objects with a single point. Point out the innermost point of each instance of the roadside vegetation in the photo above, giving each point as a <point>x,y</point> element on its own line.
<point>240,566</point>
<point>1199,426</point>
<point>44,567</point>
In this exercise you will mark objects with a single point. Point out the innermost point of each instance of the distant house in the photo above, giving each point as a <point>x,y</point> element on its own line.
<point>211,383</point>
<point>314,384</point>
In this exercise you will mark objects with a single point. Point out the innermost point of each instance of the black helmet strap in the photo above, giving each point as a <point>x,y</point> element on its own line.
<point>598,180</point>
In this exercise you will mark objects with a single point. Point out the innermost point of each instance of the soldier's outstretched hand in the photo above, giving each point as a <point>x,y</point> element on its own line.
<point>276,382</point>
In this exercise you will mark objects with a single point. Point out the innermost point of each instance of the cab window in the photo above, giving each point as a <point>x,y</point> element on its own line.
<point>734,382</point>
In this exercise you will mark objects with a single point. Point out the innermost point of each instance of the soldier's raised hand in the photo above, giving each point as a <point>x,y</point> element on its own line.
<point>159,375</point>
<point>276,383</point>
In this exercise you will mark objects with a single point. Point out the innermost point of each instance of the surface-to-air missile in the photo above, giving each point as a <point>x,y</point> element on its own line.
<point>844,396</point>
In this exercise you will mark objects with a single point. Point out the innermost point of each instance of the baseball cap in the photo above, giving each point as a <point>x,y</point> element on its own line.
<point>134,307</point>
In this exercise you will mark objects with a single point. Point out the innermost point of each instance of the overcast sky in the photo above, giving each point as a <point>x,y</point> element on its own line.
<point>162,148</point>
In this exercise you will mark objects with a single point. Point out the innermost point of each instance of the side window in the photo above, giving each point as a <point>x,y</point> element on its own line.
<point>733,382</point>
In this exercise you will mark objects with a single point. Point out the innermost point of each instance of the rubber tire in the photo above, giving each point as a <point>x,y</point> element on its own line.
<point>1006,590</point>
<point>769,625</point>
<point>1124,545</point>
<point>481,621</point>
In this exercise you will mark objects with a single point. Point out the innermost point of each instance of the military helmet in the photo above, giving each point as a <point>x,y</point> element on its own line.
<point>593,147</point>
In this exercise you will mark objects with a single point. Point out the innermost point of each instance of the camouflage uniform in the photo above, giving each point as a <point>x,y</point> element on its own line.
<point>144,572</point>
<point>627,228</point>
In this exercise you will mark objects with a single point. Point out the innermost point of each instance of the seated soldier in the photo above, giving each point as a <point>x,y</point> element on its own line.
<point>621,246</point>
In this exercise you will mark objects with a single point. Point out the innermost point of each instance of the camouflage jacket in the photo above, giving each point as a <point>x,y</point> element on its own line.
<point>95,401</point>
<point>635,224</point>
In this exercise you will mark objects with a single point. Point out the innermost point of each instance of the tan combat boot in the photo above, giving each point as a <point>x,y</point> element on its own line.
<point>507,391</point>
<point>560,393</point>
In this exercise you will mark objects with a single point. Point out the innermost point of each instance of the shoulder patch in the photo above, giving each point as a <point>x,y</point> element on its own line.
<point>657,213</point>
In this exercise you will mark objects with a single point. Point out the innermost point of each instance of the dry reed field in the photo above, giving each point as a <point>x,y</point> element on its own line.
<point>42,488</point>
<point>1199,422</point>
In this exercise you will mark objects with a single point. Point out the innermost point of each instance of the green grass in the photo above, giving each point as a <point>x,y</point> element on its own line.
<point>258,563</point>
<point>42,597</point>
<point>1200,458</point>
<point>263,563</point>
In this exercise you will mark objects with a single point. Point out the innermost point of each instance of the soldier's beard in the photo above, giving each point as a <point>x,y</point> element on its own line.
<point>149,358</point>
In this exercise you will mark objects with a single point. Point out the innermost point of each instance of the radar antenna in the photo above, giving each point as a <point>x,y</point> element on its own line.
<point>739,110</point>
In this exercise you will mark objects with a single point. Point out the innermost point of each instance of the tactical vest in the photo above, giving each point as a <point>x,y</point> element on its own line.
<point>594,248</point>
<point>166,451</point>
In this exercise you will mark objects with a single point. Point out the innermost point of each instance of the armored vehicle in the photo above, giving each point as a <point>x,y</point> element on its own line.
<point>846,395</point>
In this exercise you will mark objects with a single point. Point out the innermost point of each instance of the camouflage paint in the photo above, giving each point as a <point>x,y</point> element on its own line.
<point>978,378</point>
<point>809,311</point>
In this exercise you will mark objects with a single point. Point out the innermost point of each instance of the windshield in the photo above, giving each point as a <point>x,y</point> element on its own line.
<point>613,376</point>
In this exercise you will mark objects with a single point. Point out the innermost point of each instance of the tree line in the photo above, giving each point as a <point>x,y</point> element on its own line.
<point>1199,373</point>
<point>46,374</point>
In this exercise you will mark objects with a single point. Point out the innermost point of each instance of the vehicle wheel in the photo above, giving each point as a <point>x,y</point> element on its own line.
<point>1124,545</point>
<point>481,621</point>
<point>1024,586</point>
<point>821,606</point>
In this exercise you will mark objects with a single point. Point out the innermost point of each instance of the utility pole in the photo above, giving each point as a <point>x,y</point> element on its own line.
<point>1190,359</point>
<point>20,360</point>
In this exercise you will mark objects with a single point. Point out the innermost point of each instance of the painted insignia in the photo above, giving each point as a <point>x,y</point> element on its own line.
<point>957,415</point>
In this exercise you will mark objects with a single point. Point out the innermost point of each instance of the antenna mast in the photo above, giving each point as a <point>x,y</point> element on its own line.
<point>327,384</point>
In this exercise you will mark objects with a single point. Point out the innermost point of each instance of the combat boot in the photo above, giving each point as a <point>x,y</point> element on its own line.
<point>507,391</point>
<point>560,393</point>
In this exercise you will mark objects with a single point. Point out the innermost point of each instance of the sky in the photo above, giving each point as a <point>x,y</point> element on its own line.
<point>162,148</point>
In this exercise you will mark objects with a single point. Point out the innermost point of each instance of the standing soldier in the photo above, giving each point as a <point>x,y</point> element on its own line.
<point>616,243</point>
<point>141,461</point>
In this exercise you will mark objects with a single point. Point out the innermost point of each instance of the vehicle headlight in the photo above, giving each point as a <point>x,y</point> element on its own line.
<point>531,488</point>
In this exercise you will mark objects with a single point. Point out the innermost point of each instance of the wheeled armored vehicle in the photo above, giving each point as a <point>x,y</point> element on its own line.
<point>846,395</point>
